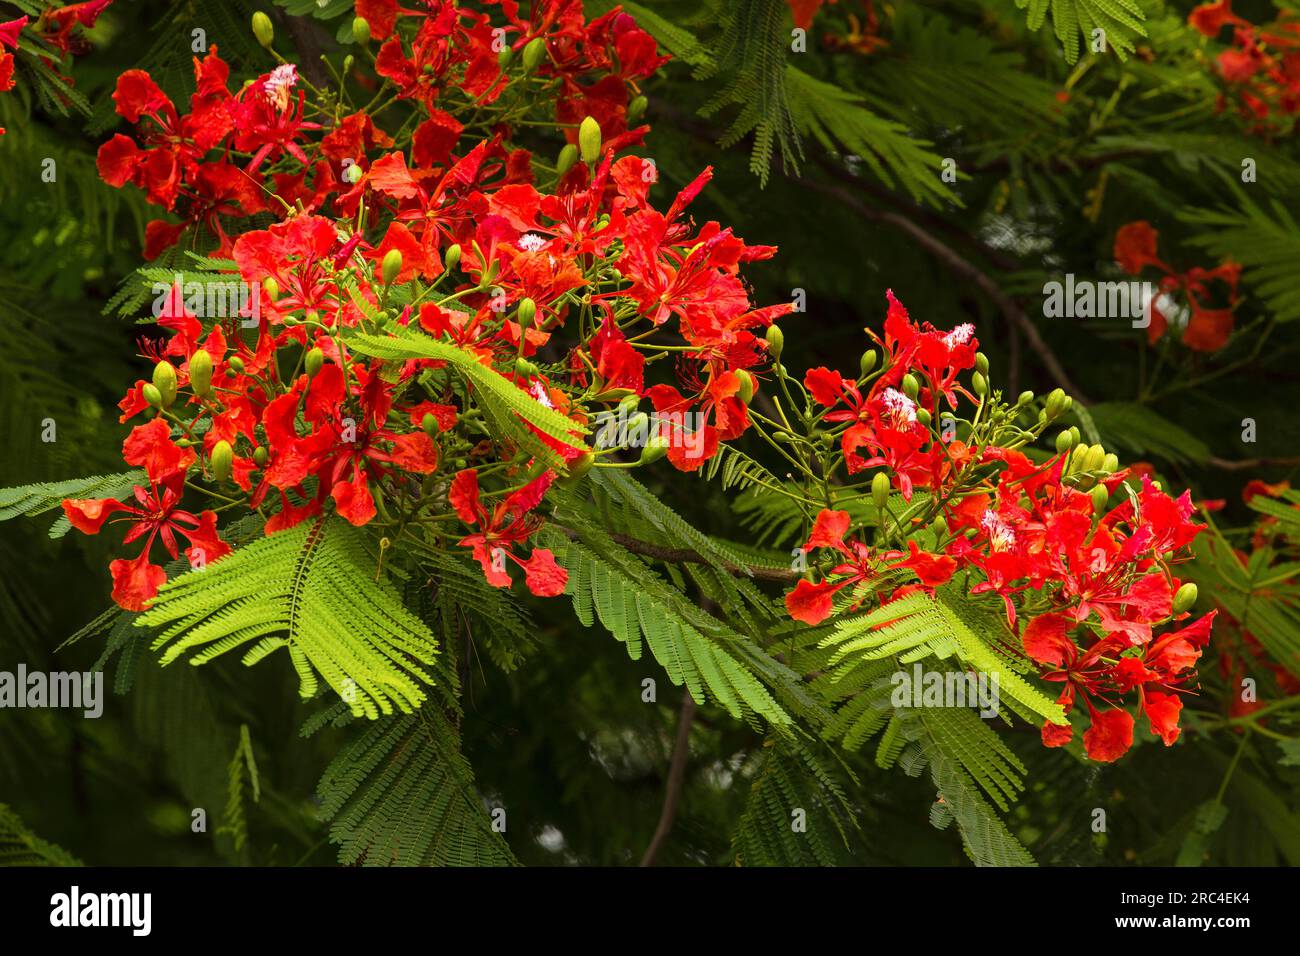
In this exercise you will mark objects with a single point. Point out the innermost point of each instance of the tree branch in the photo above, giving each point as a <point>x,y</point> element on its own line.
<point>676,777</point>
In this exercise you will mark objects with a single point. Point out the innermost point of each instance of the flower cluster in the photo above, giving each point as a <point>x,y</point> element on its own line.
<point>563,284</point>
<point>1080,554</point>
<point>1261,70</point>
<point>59,29</point>
<point>1207,329</point>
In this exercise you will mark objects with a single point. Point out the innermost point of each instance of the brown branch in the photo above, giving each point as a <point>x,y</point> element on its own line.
<point>1245,464</point>
<point>686,556</point>
<point>958,266</point>
<point>676,777</point>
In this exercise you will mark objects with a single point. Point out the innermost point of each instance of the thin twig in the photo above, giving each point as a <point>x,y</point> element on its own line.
<point>676,777</point>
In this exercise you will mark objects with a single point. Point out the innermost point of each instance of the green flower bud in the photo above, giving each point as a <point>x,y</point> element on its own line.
<point>526,312</point>
<point>581,465</point>
<point>868,362</point>
<point>775,341</point>
<point>361,30</point>
<point>923,416</point>
<point>271,288</point>
<point>451,258</point>
<point>460,463</point>
<point>746,386</point>
<point>1025,398</point>
<point>391,266</point>
<point>1074,430</point>
<point>1185,598</point>
<point>352,174</point>
<point>636,108</point>
<point>589,140</point>
<point>782,437</point>
<point>1100,498</point>
<point>911,386</point>
<point>939,526</point>
<point>292,321</point>
<point>533,53</point>
<point>568,156</point>
<point>164,379</point>
<point>314,361</point>
<point>237,364</point>
<point>629,403</point>
<point>980,384</point>
<point>1096,455</point>
<point>222,461</point>
<point>1067,404</point>
<point>201,372</point>
<point>655,449</point>
<point>1055,401</point>
<point>261,456</point>
<point>1065,441</point>
<point>982,363</point>
<point>1110,464</point>
<point>525,368</point>
<point>152,395</point>
<point>263,30</point>
<point>505,56</point>
<point>429,423</point>
<point>880,490</point>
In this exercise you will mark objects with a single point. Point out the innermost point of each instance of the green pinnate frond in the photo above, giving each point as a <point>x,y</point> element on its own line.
<point>311,589</point>
<point>46,496</point>
<point>1073,22</point>
<point>19,846</point>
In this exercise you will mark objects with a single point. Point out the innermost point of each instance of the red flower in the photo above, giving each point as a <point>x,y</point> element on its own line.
<point>508,524</point>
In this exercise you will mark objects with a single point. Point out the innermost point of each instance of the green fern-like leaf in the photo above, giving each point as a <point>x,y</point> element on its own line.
<point>19,846</point>
<point>1120,20</point>
<point>312,590</point>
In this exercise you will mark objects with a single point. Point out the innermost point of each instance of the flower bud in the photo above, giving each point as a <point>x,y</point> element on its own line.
<point>271,288</point>
<point>589,140</point>
<point>533,53</point>
<point>1055,401</point>
<point>525,368</point>
<point>152,395</point>
<point>526,312</point>
<point>1096,455</point>
<point>505,56</point>
<point>261,456</point>
<point>1100,498</point>
<point>263,30</point>
<point>568,156</point>
<point>911,387</point>
<point>980,384</point>
<point>361,30</point>
<point>292,321</point>
<point>201,372</point>
<point>923,416</point>
<point>429,423</point>
<point>391,266</point>
<point>629,403</point>
<point>636,109</point>
<point>164,379</point>
<point>982,363</point>
<point>880,490</point>
<point>222,461</point>
<point>352,174</point>
<point>868,362</point>
<point>781,437</point>
<point>1110,464</point>
<point>654,449</point>
<point>1185,598</point>
<point>451,258</point>
<point>237,364</point>
<point>314,361</point>
<point>1025,398</point>
<point>939,526</point>
<point>1065,441</point>
<point>746,393</point>
<point>1074,430</point>
<point>580,466</point>
<point>1067,404</point>
<point>775,341</point>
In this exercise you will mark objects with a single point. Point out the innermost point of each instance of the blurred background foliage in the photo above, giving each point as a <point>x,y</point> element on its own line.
<point>835,155</point>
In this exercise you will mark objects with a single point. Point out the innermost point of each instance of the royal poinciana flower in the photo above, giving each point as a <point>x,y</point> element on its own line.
<point>1260,72</point>
<point>1207,328</point>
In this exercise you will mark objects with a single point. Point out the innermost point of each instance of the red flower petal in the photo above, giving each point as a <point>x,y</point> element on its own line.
<point>135,582</point>
<point>1110,735</point>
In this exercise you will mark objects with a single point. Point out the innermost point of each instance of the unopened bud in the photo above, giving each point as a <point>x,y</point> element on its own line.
<point>451,259</point>
<point>775,341</point>
<point>868,362</point>
<point>1100,498</point>
<point>923,416</point>
<point>271,288</point>
<point>525,368</point>
<point>982,363</point>
<point>1065,441</point>
<point>746,393</point>
<point>222,460</point>
<point>263,30</point>
<point>361,30</point>
<point>568,156</point>
<point>314,361</point>
<point>237,364</point>
<point>391,266</point>
<point>152,395</point>
<point>261,456</point>
<point>429,423</point>
<point>911,386</point>
<point>581,465</point>
<point>526,312</point>
<point>505,56</point>
<point>1185,598</point>
<point>1110,464</point>
<point>980,384</point>
<point>201,372</point>
<point>1025,398</point>
<point>164,379</point>
<point>654,449</point>
<point>533,53</point>
<point>880,490</point>
<point>636,109</point>
<point>589,140</point>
